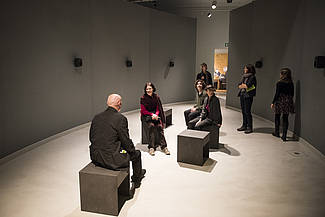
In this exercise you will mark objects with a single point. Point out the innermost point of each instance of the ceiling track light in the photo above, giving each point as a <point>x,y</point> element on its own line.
<point>209,15</point>
<point>214,5</point>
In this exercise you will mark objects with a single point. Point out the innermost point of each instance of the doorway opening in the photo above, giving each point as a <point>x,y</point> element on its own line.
<point>220,70</point>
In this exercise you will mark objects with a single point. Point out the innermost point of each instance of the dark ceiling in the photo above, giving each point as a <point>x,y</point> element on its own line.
<point>179,6</point>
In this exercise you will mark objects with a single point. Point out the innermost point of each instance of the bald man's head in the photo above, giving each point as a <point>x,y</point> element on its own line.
<point>115,101</point>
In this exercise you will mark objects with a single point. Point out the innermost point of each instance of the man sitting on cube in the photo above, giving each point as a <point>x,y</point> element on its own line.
<point>111,146</point>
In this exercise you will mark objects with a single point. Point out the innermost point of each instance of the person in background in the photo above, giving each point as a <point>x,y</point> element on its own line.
<point>152,114</point>
<point>195,111</point>
<point>211,112</point>
<point>204,75</point>
<point>283,102</point>
<point>111,146</point>
<point>247,90</point>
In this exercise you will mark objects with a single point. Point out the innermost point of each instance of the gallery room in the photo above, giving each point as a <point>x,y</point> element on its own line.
<point>141,108</point>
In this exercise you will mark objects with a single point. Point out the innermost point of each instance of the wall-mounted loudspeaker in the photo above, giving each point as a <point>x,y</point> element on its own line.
<point>259,64</point>
<point>77,62</point>
<point>319,62</point>
<point>129,63</point>
<point>171,64</point>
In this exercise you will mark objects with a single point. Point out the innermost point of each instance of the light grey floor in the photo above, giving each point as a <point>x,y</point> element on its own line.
<point>253,175</point>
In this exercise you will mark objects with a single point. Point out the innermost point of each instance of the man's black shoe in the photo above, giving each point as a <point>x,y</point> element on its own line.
<point>284,138</point>
<point>242,128</point>
<point>248,130</point>
<point>137,181</point>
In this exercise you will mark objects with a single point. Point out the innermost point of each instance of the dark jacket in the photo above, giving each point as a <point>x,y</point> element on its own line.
<point>109,134</point>
<point>251,86</point>
<point>200,100</point>
<point>211,110</point>
<point>150,104</point>
<point>285,88</point>
<point>206,77</point>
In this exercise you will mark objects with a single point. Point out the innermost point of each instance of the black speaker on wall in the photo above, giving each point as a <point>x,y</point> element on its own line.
<point>259,64</point>
<point>171,64</point>
<point>77,62</point>
<point>129,63</point>
<point>319,62</point>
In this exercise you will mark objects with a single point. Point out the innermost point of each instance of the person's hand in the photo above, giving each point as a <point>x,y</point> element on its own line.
<point>219,125</point>
<point>197,123</point>
<point>154,117</point>
<point>193,109</point>
<point>272,106</point>
<point>244,86</point>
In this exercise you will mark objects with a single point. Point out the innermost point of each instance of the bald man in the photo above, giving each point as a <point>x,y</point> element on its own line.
<point>111,146</point>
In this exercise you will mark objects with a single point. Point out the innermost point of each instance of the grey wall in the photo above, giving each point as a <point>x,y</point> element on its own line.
<point>212,33</point>
<point>287,36</point>
<point>119,31</point>
<point>174,42</point>
<point>43,94</point>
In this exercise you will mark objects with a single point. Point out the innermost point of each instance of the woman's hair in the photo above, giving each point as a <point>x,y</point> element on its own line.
<point>149,84</point>
<point>251,69</point>
<point>285,75</point>
<point>202,82</point>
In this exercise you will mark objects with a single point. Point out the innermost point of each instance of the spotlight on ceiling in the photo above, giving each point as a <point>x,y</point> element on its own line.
<point>229,1</point>
<point>214,5</point>
<point>209,15</point>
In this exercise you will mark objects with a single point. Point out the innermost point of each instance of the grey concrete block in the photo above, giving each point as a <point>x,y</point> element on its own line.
<point>144,132</point>
<point>103,191</point>
<point>169,116</point>
<point>214,136</point>
<point>192,147</point>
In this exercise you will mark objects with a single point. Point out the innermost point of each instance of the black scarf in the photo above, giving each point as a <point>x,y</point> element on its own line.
<point>245,77</point>
<point>151,103</point>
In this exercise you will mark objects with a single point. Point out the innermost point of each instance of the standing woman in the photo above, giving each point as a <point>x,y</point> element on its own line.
<point>152,114</point>
<point>283,102</point>
<point>195,111</point>
<point>247,90</point>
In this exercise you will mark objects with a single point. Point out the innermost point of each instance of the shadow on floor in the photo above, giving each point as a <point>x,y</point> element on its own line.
<point>222,134</point>
<point>142,147</point>
<point>266,130</point>
<point>226,149</point>
<point>207,166</point>
<point>291,139</point>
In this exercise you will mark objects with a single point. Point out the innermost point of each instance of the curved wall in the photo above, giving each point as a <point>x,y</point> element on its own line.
<point>42,93</point>
<point>285,34</point>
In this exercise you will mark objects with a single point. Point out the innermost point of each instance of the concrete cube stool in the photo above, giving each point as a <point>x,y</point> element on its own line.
<point>214,136</point>
<point>168,114</point>
<point>102,190</point>
<point>145,130</point>
<point>192,147</point>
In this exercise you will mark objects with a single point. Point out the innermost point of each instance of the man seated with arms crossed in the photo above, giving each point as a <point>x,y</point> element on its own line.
<point>111,146</point>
